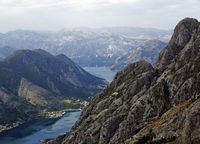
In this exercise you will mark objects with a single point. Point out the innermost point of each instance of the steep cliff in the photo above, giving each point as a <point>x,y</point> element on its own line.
<point>146,104</point>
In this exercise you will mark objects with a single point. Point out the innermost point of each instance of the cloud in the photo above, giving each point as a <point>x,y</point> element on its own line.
<point>57,14</point>
<point>51,3</point>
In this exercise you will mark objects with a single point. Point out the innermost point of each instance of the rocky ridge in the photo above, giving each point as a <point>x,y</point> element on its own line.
<point>146,104</point>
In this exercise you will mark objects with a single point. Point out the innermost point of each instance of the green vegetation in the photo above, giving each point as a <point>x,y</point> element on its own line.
<point>67,105</point>
<point>70,104</point>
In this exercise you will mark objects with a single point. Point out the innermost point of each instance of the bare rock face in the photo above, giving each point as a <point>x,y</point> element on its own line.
<point>15,107</point>
<point>37,95</point>
<point>145,104</point>
<point>182,35</point>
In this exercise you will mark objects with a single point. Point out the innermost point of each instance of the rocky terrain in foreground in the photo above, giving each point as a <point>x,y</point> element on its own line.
<point>146,104</point>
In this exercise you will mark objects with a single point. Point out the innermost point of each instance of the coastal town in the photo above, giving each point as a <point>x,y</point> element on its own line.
<point>47,114</point>
<point>9,126</point>
<point>55,114</point>
<point>58,114</point>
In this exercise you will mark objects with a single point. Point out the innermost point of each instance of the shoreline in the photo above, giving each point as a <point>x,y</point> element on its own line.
<point>36,132</point>
<point>10,127</point>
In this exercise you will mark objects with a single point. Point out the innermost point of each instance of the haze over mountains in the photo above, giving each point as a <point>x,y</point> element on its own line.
<point>148,50</point>
<point>85,46</point>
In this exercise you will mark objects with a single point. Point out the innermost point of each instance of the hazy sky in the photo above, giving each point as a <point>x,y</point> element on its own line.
<point>58,14</point>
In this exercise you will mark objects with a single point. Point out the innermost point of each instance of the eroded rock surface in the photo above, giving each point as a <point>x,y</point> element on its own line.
<point>144,104</point>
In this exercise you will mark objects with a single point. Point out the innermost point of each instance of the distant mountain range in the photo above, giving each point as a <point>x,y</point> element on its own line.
<point>32,80</point>
<point>148,50</point>
<point>85,46</point>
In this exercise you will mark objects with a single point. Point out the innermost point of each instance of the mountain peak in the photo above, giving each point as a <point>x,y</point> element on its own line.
<point>29,55</point>
<point>147,105</point>
<point>34,80</point>
<point>63,57</point>
<point>189,23</point>
<point>51,72</point>
<point>41,51</point>
<point>183,33</point>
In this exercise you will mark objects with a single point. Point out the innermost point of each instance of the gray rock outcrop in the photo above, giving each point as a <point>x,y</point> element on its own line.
<point>144,104</point>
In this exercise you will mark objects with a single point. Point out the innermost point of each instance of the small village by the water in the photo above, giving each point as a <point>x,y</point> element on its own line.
<point>9,126</point>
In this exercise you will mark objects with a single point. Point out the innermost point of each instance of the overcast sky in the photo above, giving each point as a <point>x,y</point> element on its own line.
<point>58,14</point>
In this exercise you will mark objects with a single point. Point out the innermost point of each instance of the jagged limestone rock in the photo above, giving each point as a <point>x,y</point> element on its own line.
<point>152,105</point>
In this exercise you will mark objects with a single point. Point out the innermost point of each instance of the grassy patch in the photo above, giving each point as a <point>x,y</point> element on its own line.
<point>70,104</point>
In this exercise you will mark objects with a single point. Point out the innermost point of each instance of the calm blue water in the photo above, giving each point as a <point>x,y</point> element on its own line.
<point>102,72</point>
<point>40,130</point>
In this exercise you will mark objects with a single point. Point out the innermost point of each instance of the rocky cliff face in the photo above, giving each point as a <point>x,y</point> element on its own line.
<point>144,104</point>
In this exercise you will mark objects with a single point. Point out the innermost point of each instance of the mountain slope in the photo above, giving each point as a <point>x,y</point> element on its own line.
<point>146,51</point>
<point>32,81</point>
<point>56,74</point>
<point>5,51</point>
<point>144,104</point>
